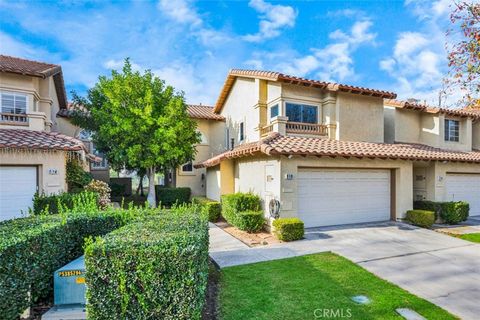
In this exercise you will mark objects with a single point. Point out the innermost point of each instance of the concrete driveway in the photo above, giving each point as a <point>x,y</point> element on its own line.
<point>434,266</point>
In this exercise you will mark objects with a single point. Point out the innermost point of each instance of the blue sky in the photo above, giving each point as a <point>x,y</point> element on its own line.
<point>390,45</point>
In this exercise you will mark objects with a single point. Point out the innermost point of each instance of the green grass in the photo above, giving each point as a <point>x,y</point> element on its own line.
<point>473,237</point>
<point>294,288</point>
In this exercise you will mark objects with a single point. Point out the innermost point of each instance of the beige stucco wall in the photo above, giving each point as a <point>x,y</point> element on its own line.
<point>48,183</point>
<point>240,107</point>
<point>213,183</point>
<point>359,118</point>
<point>403,179</point>
<point>476,135</point>
<point>408,126</point>
<point>65,126</point>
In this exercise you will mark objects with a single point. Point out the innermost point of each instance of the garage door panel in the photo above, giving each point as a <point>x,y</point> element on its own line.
<point>464,187</point>
<point>17,187</point>
<point>332,197</point>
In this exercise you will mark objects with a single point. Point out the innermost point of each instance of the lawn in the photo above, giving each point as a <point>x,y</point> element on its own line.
<point>473,237</point>
<point>308,286</point>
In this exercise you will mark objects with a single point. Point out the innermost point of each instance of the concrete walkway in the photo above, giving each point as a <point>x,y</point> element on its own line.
<point>440,268</point>
<point>472,225</point>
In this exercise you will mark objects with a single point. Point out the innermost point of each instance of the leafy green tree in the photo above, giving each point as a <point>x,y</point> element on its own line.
<point>138,122</point>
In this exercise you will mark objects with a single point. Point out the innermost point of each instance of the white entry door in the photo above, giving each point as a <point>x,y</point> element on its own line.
<point>343,196</point>
<point>464,187</point>
<point>17,187</point>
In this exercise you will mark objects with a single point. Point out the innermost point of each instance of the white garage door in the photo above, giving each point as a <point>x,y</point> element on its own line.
<point>331,197</point>
<point>465,187</point>
<point>17,187</point>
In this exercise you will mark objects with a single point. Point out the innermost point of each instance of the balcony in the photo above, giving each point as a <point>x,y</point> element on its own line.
<point>14,119</point>
<point>306,128</point>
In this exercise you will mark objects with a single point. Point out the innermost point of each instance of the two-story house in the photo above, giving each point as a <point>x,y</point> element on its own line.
<point>332,153</point>
<point>33,152</point>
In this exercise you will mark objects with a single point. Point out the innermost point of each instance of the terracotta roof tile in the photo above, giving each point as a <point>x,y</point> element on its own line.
<point>36,69</point>
<point>203,112</point>
<point>276,144</point>
<point>466,112</point>
<point>277,76</point>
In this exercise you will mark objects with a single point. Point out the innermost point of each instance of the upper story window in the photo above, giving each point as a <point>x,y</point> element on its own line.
<point>301,113</point>
<point>85,135</point>
<point>102,164</point>
<point>203,138</point>
<point>452,130</point>
<point>241,135</point>
<point>273,111</point>
<point>13,107</point>
<point>187,167</point>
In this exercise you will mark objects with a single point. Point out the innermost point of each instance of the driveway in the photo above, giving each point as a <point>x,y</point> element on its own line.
<point>436,267</point>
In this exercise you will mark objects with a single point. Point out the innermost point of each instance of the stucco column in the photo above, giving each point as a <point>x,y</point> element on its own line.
<point>279,124</point>
<point>227,177</point>
<point>329,114</point>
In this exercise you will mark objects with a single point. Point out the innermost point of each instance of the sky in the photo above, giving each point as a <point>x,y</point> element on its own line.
<point>390,45</point>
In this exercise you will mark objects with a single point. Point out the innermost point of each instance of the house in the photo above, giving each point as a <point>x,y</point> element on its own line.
<point>33,149</point>
<point>337,154</point>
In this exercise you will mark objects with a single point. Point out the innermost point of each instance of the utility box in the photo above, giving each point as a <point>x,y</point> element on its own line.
<point>69,283</point>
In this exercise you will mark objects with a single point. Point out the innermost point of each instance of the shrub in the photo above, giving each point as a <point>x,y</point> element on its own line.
<point>103,191</point>
<point>76,177</point>
<point>153,269</point>
<point>449,212</point>
<point>289,229</point>
<point>250,221</point>
<point>421,218</point>
<point>32,248</point>
<point>213,209</point>
<point>169,196</point>
<point>55,203</point>
<point>233,204</point>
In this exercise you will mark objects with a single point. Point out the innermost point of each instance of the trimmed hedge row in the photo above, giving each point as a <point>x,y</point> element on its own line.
<point>243,210</point>
<point>212,208</point>
<point>449,212</point>
<point>289,229</point>
<point>169,196</point>
<point>421,218</point>
<point>32,248</point>
<point>55,203</point>
<point>152,269</point>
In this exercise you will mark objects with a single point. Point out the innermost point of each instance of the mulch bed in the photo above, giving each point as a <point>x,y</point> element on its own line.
<point>210,311</point>
<point>260,238</point>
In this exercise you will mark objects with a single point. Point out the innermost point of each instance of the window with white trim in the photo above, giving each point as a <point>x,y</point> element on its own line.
<point>102,164</point>
<point>241,133</point>
<point>452,130</point>
<point>274,111</point>
<point>187,167</point>
<point>13,106</point>
<point>301,113</point>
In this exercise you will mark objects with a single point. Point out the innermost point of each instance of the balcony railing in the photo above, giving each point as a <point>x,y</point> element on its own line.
<point>266,130</point>
<point>14,118</point>
<point>307,128</point>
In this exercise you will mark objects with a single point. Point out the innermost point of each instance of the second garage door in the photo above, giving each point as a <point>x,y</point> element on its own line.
<point>465,187</point>
<point>342,196</point>
<point>17,187</point>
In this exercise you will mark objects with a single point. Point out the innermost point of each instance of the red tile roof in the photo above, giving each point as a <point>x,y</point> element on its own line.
<point>276,144</point>
<point>40,140</point>
<point>33,68</point>
<point>466,112</point>
<point>277,76</point>
<point>203,112</point>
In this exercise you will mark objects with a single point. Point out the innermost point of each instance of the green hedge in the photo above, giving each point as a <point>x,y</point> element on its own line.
<point>250,221</point>
<point>421,218</point>
<point>450,212</point>
<point>32,248</point>
<point>55,203</point>
<point>234,204</point>
<point>289,229</point>
<point>152,269</point>
<point>170,196</point>
<point>212,208</point>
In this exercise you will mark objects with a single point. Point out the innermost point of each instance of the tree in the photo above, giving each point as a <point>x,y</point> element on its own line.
<point>464,54</point>
<point>138,122</point>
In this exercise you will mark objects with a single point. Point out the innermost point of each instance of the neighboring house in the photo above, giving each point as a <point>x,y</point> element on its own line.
<point>99,170</point>
<point>33,151</point>
<point>334,154</point>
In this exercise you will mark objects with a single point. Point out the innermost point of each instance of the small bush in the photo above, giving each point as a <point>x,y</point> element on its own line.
<point>421,218</point>
<point>169,196</point>
<point>103,191</point>
<point>289,229</point>
<point>153,269</point>
<point>56,203</point>
<point>250,221</point>
<point>76,177</point>
<point>213,209</point>
<point>449,212</point>
<point>233,204</point>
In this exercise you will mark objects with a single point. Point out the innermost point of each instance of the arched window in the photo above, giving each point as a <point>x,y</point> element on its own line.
<point>85,135</point>
<point>203,138</point>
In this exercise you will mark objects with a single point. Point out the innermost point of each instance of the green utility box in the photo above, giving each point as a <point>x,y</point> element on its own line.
<point>69,283</point>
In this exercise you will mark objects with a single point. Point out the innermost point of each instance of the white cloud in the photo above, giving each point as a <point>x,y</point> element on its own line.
<point>180,11</point>
<point>273,19</point>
